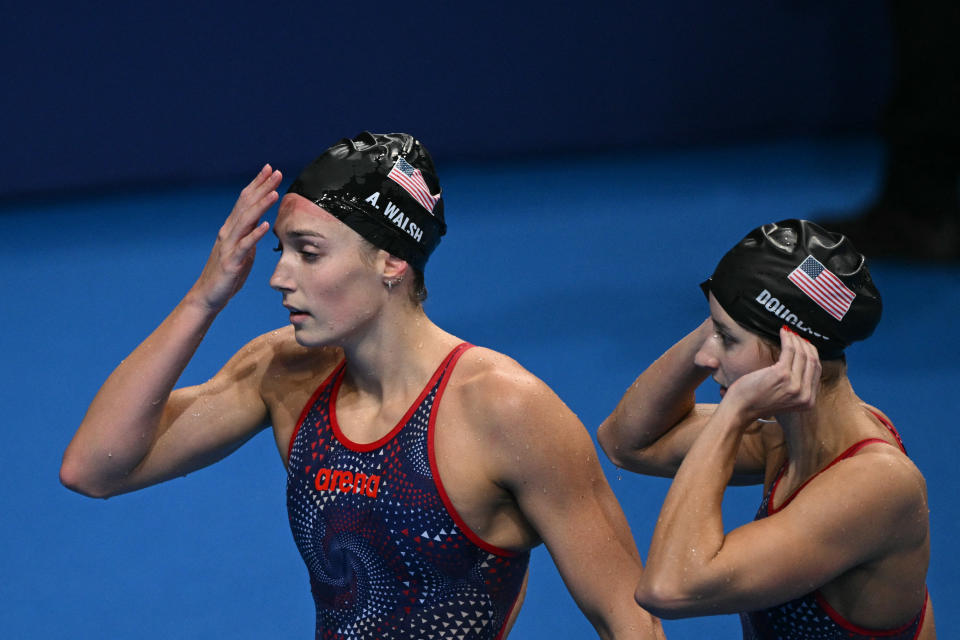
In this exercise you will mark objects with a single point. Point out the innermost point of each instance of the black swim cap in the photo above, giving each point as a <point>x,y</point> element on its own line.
<point>382,186</point>
<point>797,273</point>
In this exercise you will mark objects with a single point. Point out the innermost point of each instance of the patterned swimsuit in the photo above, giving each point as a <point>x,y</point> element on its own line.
<point>387,554</point>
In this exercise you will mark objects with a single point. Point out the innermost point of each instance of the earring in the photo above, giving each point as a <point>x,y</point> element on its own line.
<point>392,283</point>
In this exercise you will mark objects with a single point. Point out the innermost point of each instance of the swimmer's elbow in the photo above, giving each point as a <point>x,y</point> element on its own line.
<point>623,454</point>
<point>659,604</point>
<point>74,477</point>
<point>669,597</point>
<point>610,443</point>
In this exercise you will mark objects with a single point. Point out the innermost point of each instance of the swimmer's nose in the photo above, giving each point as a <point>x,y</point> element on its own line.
<point>280,280</point>
<point>705,358</point>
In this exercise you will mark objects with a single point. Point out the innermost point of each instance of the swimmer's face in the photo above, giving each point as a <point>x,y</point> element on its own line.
<point>731,351</point>
<point>329,289</point>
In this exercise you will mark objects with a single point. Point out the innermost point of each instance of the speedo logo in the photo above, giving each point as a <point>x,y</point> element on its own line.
<point>780,310</point>
<point>347,482</point>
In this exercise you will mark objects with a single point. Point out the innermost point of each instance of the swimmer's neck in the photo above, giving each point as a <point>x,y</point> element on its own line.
<point>397,353</point>
<point>817,436</point>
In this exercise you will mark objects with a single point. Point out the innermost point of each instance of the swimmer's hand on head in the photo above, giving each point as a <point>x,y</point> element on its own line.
<point>233,253</point>
<point>789,384</point>
<point>139,430</point>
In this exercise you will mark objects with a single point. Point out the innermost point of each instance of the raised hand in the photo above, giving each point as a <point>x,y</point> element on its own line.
<point>789,384</point>
<point>233,253</point>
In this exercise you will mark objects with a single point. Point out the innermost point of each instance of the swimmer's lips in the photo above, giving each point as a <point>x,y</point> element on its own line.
<point>296,314</point>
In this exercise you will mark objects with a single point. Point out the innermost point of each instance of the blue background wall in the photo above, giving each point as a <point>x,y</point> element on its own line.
<point>101,94</point>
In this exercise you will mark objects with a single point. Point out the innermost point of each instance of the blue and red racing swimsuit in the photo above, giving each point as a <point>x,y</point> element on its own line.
<point>387,554</point>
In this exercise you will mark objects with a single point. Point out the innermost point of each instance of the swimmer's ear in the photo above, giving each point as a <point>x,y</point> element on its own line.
<point>394,268</point>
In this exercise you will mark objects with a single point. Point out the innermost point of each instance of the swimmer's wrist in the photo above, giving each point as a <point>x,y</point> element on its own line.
<point>198,302</point>
<point>738,413</point>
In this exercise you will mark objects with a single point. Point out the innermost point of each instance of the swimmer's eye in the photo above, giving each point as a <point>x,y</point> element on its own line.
<point>724,339</point>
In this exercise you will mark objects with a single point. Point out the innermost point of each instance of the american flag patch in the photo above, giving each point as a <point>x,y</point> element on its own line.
<point>412,182</point>
<point>823,287</point>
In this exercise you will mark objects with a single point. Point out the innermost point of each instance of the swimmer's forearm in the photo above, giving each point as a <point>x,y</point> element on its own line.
<point>680,578</point>
<point>617,615</point>
<point>631,622</point>
<point>657,400</point>
<point>124,419</point>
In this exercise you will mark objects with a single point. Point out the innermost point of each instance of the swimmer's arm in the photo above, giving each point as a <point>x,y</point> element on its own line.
<point>136,407</point>
<point>658,419</point>
<point>855,513</point>
<point>137,432</point>
<point>547,460</point>
<point>693,568</point>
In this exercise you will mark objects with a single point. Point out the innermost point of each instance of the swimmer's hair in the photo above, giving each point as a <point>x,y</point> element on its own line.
<point>797,273</point>
<point>418,293</point>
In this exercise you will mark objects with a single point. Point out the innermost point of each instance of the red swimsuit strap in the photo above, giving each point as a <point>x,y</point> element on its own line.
<point>892,429</point>
<point>849,452</point>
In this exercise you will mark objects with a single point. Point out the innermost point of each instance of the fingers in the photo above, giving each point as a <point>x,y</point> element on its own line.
<point>243,229</point>
<point>233,252</point>
<point>791,353</point>
<point>789,384</point>
<point>812,370</point>
<point>260,194</point>
<point>262,181</point>
<point>249,241</point>
<point>254,200</point>
<point>802,361</point>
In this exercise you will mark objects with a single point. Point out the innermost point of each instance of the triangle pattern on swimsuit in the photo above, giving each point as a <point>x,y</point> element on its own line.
<point>388,557</point>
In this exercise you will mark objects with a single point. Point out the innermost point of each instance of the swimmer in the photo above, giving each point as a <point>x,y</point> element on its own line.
<point>840,545</point>
<point>421,470</point>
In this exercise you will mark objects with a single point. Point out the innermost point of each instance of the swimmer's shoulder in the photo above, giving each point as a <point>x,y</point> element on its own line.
<point>884,468</point>
<point>494,386</point>
<point>486,371</point>
<point>286,366</point>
